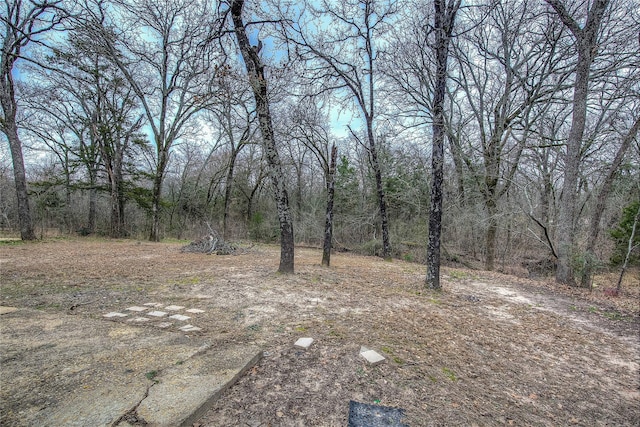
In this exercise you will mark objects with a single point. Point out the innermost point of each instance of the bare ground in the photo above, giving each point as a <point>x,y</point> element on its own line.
<point>490,349</point>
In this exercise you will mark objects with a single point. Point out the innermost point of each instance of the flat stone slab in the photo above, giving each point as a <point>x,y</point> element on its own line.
<point>174,307</point>
<point>114,314</point>
<point>185,392</point>
<point>138,309</point>
<point>179,317</point>
<point>194,311</point>
<point>80,371</point>
<point>156,313</point>
<point>373,357</point>
<point>366,415</point>
<point>304,343</point>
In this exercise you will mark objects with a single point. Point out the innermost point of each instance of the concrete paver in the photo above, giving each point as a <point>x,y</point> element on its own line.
<point>304,343</point>
<point>156,313</point>
<point>373,357</point>
<point>115,314</point>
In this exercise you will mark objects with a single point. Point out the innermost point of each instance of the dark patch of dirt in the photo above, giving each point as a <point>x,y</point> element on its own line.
<point>490,349</point>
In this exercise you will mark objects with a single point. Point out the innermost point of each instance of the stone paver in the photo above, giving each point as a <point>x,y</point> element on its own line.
<point>304,343</point>
<point>115,314</point>
<point>157,313</point>
<point>372,357</point>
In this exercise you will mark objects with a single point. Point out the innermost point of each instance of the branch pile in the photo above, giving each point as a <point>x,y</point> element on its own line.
<point>212,243</point>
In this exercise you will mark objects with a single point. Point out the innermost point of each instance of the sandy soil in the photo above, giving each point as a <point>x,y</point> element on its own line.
<point>490,349</point>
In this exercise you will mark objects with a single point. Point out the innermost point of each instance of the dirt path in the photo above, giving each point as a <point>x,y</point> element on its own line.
<point>489,350</point>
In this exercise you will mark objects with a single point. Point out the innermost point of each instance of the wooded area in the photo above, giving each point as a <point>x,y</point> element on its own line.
<point>500,133</point>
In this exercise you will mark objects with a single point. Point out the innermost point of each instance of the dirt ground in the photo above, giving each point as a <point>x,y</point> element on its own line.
<point>490,349</point>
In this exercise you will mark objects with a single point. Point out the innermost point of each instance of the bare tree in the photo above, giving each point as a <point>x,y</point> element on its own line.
<point>586,45</point>
<point>328,228</point>
<point>233,115</point>
<point>444,17</point>
<point>23,22</point>
<point>347,57</point>
<point>166,56</point>
<point>258,82</point>
<point>504,69</point>
<point>88,96</point>
<point>309,126</point>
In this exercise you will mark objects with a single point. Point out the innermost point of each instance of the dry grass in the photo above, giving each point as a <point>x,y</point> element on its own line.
<point>490,349</point>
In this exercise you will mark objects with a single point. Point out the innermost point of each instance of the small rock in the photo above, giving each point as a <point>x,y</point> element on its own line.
<point>372,357</point>
<point>304,343</point>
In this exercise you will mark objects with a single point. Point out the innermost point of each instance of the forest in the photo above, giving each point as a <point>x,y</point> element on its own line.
<point>499,134</point>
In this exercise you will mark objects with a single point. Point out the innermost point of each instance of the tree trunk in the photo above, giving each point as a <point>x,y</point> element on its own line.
<point>93,208</point>
<point>20,179</point>
<point>328,226</point>
<point>10,128</point>
<point>156,196</point>
<point>586,44</point>
<point>491,157</point>
<point>227,193</point>
<point>382,203</point>
<point>255,72</point>
<point>444,18</point>
<point>492,228</point>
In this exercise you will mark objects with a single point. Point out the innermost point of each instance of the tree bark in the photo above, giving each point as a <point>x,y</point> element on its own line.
<point>490,236</point>
<point>586,45</point>
<point>382,203</point>
<point>255,72</point>
<point>444,18</point>
<point>156,195</point>
<point>10,52</point>
<point>328,226</point>
<point>227,193</point>
<point>19,175</point>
